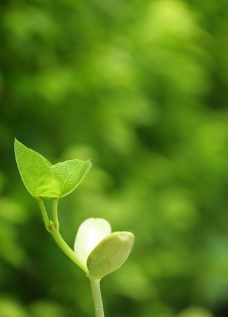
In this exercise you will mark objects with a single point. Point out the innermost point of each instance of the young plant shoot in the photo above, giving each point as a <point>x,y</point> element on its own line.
<point>97,251</point>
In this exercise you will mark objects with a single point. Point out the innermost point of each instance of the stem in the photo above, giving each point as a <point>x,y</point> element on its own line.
<point>53,228</point>
<point>44,213</point>
<point>55,213</point>
<point>97,299</point>
<point>64,246</point>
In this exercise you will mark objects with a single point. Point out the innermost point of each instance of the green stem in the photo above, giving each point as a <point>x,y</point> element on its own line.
<point>64,246</point>
<point>97,299</point>
<point>55,212</point>
<point>53,228</point>
<point>44,213</point>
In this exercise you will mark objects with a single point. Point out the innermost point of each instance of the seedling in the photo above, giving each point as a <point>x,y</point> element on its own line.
<point>97,251</point>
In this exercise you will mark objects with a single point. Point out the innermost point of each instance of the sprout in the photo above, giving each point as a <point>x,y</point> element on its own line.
<point>97,251</point>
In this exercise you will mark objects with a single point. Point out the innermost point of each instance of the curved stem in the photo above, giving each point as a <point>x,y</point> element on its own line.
<point>97,299</point>
<point>64,246</point>
<point>44,213</point>
<point>53,228</point>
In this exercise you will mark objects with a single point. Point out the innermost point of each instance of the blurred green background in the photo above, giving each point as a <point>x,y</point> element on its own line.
<point>141,88</point>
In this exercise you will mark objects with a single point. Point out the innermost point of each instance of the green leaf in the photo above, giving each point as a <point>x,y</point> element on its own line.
<point>70,174</point>
<point>110,254</point>
<point>89,234</point>
<point>35,171</point>
<point>41,178</point>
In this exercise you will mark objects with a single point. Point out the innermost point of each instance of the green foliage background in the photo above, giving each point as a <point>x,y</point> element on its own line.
<point>140,87</point>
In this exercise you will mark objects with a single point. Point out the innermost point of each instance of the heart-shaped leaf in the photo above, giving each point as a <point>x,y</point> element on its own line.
<point>41,178</point>
<point>110,254</point>
<point>89,234</point>
<point>35,172</point>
